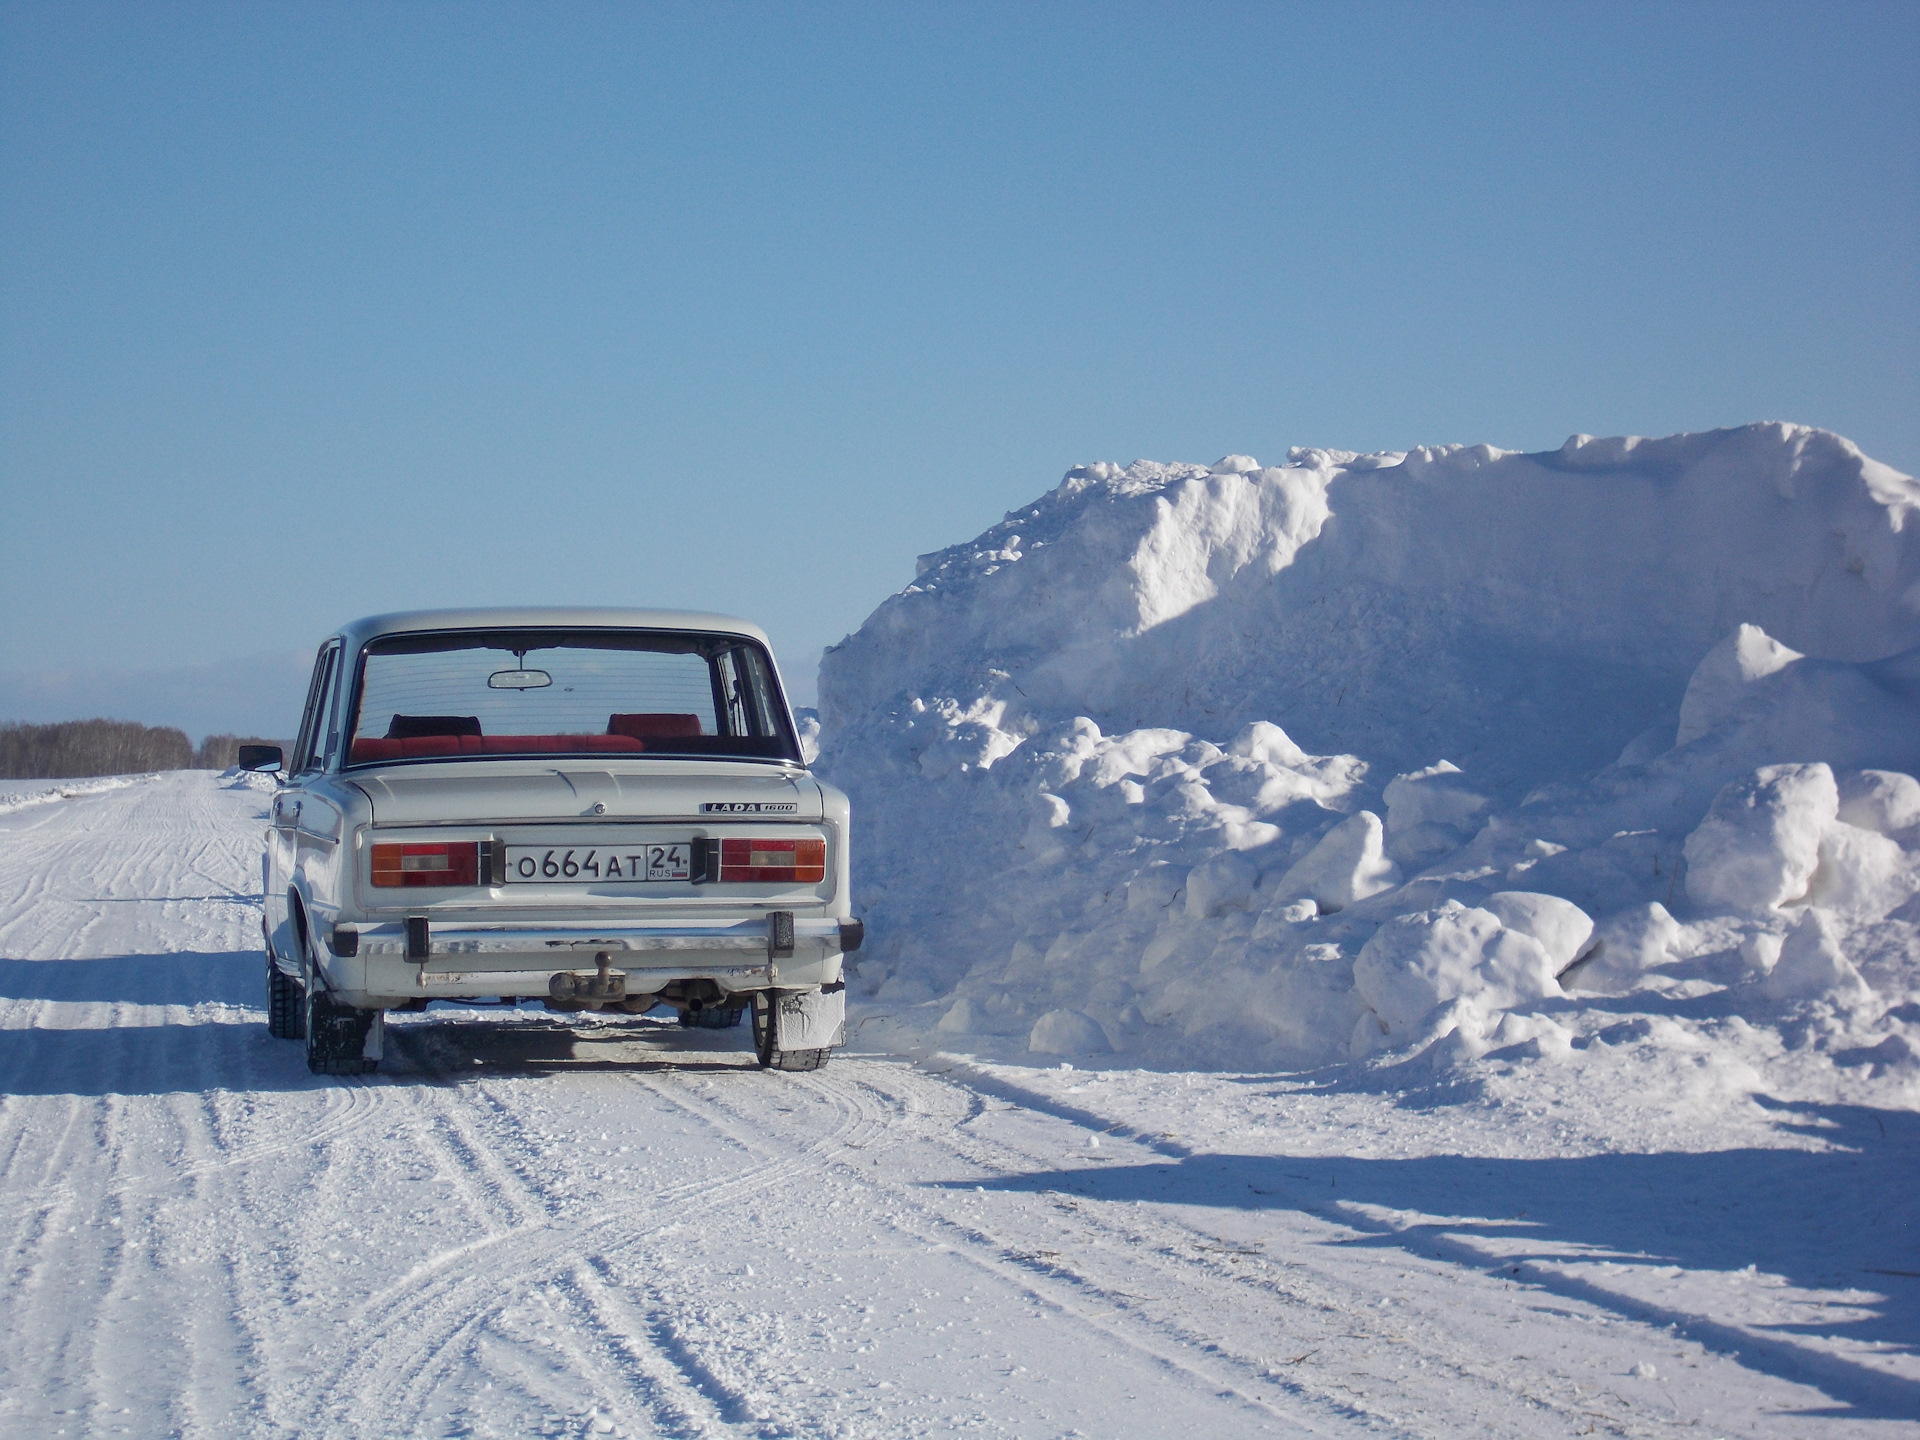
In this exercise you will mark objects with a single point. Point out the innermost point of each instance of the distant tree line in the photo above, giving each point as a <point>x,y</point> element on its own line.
<point>217,752</point>
<point>75,748</point>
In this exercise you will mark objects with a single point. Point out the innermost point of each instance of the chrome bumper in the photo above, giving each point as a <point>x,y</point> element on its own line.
<point>386,964</point>
<point>566,945</point>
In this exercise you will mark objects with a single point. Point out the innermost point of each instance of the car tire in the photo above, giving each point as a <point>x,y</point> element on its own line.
<point>286,1004</point>
<point>713,1017</point>
<point>766,1045</point>
<point>336,1036</point>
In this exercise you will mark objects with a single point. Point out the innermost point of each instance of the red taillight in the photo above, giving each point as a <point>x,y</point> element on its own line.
<point>793,862</point>
<point>440,864</point>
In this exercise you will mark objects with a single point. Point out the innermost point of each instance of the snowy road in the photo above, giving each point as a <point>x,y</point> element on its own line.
<point>523,1227</point>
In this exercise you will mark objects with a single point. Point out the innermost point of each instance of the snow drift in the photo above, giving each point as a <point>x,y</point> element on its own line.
<point>1378,754</point>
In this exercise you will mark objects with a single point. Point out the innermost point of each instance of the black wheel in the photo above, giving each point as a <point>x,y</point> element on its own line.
<point>337,1036</point>
<point>766,1047</point>
<point>286,1004</point>
<point>713,1017</point>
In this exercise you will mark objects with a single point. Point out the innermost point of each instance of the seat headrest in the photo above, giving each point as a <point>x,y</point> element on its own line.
<point>654,726</point>
<point>411,727</point>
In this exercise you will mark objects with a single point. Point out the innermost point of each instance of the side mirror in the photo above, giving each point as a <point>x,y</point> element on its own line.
<point>261,757</point>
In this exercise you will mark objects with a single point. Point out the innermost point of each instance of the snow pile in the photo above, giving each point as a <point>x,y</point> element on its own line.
<point>45,792</point>
<point>1381,755</point>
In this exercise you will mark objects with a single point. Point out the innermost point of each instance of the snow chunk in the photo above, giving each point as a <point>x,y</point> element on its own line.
<point>1883,801</point>
<point>1626,946</point>
<point>1155,888</point>
<point>1753,701</point>
<point>1761,951</point>
<point>807,722</point>
<point>1431,812</point>
<point>1224,883</point>
<point>1236,465</point>
<point>1561,927</point>
<point>1720,682</point>
<point>1534,1035</point>
<point>1862,874</point>
<point>1812,964</point>
<point>1067,1032</point>
<point>1759,845</point>
<point>1265,743</point>
<point>1416,962</point>
<point>963,1017</point>
<point>1347,864</point>
<point>973,1015</point>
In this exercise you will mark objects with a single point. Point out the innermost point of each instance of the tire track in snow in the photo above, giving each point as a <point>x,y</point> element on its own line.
<point>345,1108</point>
<point>1448,1378</point>
<point>431,1329</point>
<point>132,847</point>
<point>44,1273</point>
<point>133,1211</point>
<point>935,1107</point>
<point>1192,1260</point>
<point>403,1336</point>
<point>641,1352</point>
<point>1197,1285</point>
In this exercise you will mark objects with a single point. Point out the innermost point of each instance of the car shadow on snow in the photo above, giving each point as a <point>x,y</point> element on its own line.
<point>445,1045</point>
<point>187,978</point>
<point>128,1055</point>
<point>1845,1218</point>
<point>234,1056</point>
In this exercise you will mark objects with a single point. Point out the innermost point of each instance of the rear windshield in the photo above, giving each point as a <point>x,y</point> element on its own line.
<point>472,694</point>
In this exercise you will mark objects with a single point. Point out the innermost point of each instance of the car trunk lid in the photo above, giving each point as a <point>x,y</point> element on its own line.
<point>494,792</point>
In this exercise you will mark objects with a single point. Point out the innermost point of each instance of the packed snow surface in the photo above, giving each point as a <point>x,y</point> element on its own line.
<point>1408,759</point>
<point>528,1226</point>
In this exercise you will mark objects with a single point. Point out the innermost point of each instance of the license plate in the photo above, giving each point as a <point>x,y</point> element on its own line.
<point>586,865</point>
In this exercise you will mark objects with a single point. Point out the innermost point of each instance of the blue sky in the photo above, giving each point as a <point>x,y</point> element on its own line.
<point>308,312</point>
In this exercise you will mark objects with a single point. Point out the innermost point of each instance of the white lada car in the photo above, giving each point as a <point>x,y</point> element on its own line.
<point>600,809</point>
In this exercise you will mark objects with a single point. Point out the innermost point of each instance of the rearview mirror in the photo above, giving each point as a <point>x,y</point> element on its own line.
<point>261,757</point>
<point>519,680</point>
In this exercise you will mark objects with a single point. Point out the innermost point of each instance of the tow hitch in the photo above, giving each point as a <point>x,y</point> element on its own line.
<point>606,986</point>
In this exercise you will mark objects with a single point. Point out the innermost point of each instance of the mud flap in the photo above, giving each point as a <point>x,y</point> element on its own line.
<point>376,1039</point>
<point>811,1019</point>
<point>343,1040</point>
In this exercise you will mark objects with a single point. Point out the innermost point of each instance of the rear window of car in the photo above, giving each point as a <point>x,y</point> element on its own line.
<point>474,694</point>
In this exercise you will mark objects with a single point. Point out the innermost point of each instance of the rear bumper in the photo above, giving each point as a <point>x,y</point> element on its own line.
<point>641,944</point>
<point>476,961</point>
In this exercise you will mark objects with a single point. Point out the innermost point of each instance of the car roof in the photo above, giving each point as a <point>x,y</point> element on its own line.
<point>558,617</point>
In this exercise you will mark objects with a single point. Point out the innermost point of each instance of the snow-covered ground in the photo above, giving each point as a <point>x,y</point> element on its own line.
<point>1417,944</point>
<point>527,1227</point>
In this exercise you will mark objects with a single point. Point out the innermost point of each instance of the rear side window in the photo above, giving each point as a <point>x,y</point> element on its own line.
<point>309,750</point>
<point>471,694</point>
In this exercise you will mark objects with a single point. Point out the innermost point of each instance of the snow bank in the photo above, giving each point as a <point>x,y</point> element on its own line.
<point>23,794</point>
<point>1368,756</point>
